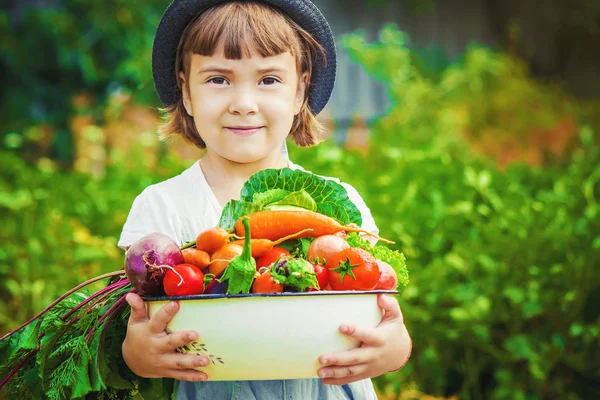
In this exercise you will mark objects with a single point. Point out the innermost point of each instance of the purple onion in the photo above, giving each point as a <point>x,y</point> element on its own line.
<point>147,261</point>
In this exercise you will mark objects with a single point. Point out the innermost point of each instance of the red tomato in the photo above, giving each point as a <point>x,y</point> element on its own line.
<point>322,276</point>
<point>265,283</point>
<point>271,256</point>
<point>353,269</point>
<point>388,280</point>
<point>193,280</point>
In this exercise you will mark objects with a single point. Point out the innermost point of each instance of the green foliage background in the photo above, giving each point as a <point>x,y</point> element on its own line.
<point>504,295</point>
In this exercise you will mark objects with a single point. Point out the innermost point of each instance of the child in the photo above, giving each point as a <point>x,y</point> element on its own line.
<point>238,78</point>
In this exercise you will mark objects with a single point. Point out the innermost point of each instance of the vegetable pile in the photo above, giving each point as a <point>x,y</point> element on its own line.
<point>291,231</point>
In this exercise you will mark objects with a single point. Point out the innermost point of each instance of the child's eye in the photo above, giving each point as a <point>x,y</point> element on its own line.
<point>269,80</point>
<point>217,80</point>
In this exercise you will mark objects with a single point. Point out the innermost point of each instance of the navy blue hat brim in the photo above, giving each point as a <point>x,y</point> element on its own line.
<point>181,12</point>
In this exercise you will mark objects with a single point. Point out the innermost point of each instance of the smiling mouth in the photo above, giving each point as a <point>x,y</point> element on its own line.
<point>244,130</point>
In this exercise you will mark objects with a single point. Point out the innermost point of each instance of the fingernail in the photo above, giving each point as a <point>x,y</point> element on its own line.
<point>344,328</point>
<point>324,361</point>
<point>204,378</point>
<point>323,374</point>
<point>172,305</point>
<point>199,362</point>
<point>191,336</point>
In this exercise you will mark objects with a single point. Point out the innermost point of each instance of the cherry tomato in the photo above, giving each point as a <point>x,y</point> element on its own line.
<point>265,283</point>
<point>193,280</point>
<point>353,269</point>
<point>388,280</point>
<point>322,276</point>
<point>271,256</point>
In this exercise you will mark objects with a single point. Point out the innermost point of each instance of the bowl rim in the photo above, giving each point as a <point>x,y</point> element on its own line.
<point>283,294</point>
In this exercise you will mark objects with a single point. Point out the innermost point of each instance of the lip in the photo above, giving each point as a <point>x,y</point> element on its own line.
<point>244,130</point>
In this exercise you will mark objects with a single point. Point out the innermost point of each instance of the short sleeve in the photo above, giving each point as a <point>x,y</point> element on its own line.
<point>151,211</point>
<point>368,223</point>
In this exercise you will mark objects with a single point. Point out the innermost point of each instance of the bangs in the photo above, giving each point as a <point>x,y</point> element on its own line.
<point>240,28</point>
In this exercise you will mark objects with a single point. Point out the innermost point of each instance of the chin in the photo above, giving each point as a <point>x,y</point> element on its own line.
<point>245,158</point>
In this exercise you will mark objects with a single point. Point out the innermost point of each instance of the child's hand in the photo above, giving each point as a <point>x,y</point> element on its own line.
<point>384,348</point>
<point>150,352</point>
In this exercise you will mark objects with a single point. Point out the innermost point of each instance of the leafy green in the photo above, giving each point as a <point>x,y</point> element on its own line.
<point>299,199</point>
<point>233,210</point>
<point>297,247</point>
<point>297,273</point>
<point>75,356</point>
<point>291,189</point>
<point>393,257</point>
<point>270,196</point>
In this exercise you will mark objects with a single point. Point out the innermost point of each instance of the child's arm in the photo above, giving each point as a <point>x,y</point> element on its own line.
<point>384,349</point>
<point>147,349</point>
<point>150,352</point>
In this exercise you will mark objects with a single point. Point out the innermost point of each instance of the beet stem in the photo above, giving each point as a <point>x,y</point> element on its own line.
<point>112,309</point>
<point>101,294</point>
<point>55,302</point>
<point>104,296</point>
<point>19,365</point>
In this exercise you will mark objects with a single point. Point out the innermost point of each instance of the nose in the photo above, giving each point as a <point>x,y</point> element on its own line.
<point>244,102</point>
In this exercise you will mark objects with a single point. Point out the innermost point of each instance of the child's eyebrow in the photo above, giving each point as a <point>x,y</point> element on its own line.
<point>229,71</point>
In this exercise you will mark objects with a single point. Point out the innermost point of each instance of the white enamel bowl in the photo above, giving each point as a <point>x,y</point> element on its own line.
<point>270,336</point>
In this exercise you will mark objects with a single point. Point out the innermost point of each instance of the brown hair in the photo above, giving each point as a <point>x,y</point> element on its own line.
<point>240,27</point>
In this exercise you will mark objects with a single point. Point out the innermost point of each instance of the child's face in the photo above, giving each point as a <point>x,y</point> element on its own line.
<point>243,109</point>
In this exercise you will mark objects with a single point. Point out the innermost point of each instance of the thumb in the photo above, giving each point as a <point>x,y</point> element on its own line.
<point>390,308</point>
<point>138,309</point>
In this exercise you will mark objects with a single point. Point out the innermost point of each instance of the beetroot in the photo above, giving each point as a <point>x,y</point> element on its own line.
<point>148,259</point>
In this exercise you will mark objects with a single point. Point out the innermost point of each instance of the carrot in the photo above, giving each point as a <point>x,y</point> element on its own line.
<point>274,224</point>
<point>220,259</point>
<point>261,246</point>
<point>213,239</point>
<point>196,257</point>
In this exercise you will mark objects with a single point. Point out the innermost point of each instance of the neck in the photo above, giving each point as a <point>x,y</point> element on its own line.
<point>220,171</point>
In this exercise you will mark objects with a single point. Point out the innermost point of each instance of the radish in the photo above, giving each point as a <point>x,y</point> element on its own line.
<point>388,280</point>
<point>147,261</point>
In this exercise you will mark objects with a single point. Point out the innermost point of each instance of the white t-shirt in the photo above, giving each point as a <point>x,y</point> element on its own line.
<point>183,206</point>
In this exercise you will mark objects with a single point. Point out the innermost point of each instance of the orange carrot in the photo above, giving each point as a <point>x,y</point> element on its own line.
<point>213,239</point>
<point>196,257</point>
<point>274,224</point>
<point>261,246</point>
<point>220,259</point>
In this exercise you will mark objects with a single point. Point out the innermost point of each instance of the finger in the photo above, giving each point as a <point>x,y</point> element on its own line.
<point>178,361</point>
<point>360,355</point>
<point>344,381</point>
<point>390,307</point>
<point>366,335</point>
<point>174,340</point>
<point>138,309</point>
<point>158,322</point>
<point>342,372</point>
<point>188,375</point>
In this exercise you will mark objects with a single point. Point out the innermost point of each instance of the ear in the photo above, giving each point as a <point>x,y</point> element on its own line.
<point>185,92</point>
<point>300,93</point>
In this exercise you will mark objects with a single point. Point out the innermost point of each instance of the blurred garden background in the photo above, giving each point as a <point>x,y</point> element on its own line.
<point>472,130</point>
